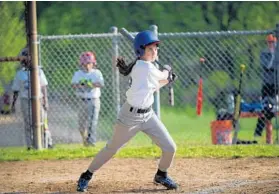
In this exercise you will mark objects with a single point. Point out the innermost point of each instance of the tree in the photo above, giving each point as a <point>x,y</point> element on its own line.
<point>12,37</point>
<point>98,17</point>
<point>235,15</point>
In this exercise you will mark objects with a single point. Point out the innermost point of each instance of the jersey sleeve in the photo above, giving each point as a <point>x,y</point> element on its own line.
<point>43,79</point>
<point>16,82</point>
<point>75,78</point>
<point>157,74</point>
<point>140,71</point>
<point>100,77</point>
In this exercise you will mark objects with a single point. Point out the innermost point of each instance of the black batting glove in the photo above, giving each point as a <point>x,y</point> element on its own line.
<point>172,77</point>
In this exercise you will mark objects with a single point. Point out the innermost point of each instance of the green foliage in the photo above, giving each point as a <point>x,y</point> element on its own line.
<point>98,17</point>
<point>12,37</point>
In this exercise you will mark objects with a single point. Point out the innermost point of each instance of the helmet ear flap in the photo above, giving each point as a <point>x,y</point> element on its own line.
<point>140,51</point>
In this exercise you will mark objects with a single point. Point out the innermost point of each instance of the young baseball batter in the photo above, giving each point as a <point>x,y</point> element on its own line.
<point>136,113</point>
<point>87,81</point>
<point>21,87</point>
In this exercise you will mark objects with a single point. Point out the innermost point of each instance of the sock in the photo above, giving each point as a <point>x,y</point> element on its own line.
<point>87,175</point>
<point>161,173</point>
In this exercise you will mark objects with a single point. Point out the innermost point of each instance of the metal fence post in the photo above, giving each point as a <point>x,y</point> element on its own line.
<point>36,124</point>
<point>114,30</point>
<point>276,82</point>
<point>39,51</point>
<point>156,105</point>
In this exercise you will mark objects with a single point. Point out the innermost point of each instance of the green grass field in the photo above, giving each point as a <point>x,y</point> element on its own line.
<point>188,129</point>
<point>191,134</point>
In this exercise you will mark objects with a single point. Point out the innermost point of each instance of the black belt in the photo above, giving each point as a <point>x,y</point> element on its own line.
<point>84,99</point>
<point>141,110</point>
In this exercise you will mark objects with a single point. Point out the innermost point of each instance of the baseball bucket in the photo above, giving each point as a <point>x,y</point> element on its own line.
<point>221,132</point>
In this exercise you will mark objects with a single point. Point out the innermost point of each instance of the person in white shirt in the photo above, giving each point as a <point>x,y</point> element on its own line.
<point>136,114</point>
<point>22,87</point>
<point>88,82</point>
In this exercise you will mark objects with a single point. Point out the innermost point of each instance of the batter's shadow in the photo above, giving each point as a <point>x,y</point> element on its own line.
<point>65,192</point>
<point>15,192</point>
<point>142,191</point>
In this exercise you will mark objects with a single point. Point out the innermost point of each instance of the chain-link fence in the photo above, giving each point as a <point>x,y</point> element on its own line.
<point>223,52</point>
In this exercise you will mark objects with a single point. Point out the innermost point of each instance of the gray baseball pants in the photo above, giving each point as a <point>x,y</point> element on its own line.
<point>25,105</point>
<point>88,118</point>
<point>128,124</point>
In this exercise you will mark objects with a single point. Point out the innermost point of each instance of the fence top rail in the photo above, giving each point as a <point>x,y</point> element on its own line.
<point>76,36</point>
<point>161,35</point>
<point>213,33</point>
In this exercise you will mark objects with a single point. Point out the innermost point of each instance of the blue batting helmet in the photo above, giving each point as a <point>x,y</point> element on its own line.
<point>143,39</point>
<point>24,52</point>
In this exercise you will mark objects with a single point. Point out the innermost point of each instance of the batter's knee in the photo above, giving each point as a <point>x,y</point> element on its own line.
<point>112,148</point>
<point>174,148</point>
<point>171,148</point>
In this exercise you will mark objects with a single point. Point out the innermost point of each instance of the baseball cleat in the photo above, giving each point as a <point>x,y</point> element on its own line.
<point>89,143</point>
<point>50,146</point>
<point>83,183</point>
<point>29,148</point>
<point>165,181</point>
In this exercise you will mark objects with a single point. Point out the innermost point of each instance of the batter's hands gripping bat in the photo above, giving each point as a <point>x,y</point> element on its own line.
<point>200,92</point>
<point>131,38</point>
<point>237,106</point>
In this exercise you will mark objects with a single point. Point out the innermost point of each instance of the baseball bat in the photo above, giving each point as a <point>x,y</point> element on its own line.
<point>171,95</point>
<point>200,92</point>
<point>237,106</point>
<point>7,59</point>
<point>171,92</point>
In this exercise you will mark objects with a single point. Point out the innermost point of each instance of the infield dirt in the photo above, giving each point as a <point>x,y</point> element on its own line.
<point>243,175</point>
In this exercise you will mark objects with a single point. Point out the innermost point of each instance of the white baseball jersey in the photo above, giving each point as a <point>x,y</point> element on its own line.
<point>94,76</point>
<point>145,81</point>
<point>22,82</point>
